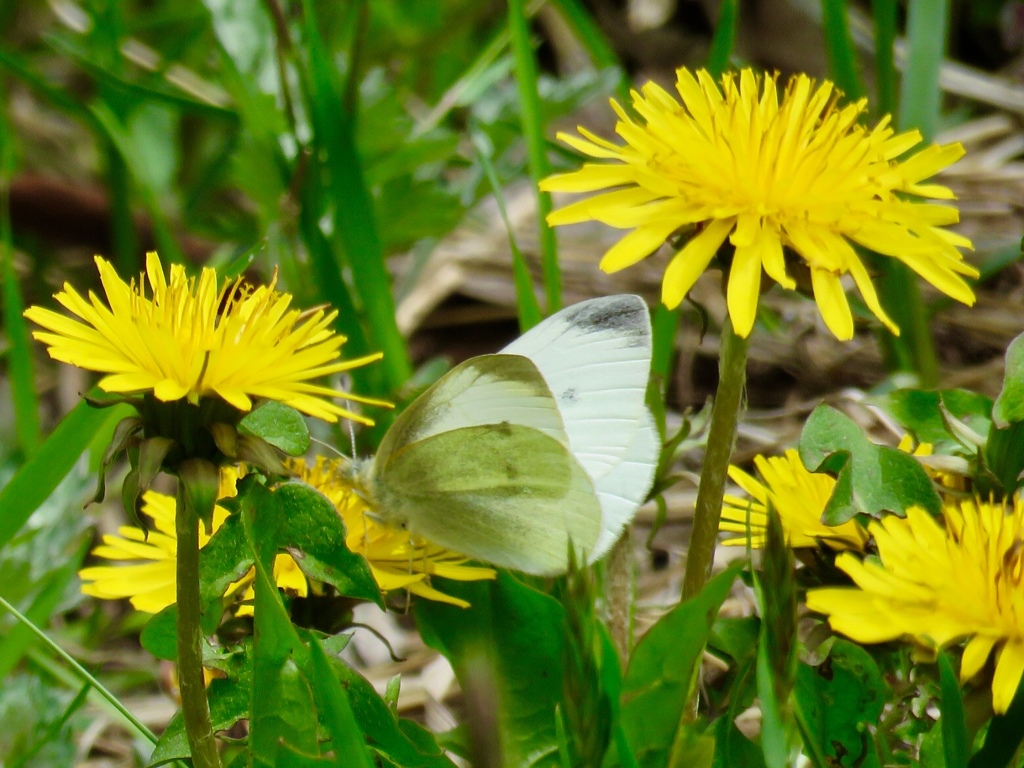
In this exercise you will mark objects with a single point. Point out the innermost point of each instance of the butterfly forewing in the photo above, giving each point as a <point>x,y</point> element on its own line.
<point>490,389</point>
<point>595,357</point>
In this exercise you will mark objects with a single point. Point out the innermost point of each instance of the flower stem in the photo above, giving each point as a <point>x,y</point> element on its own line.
<point>732,367</point>
<point>619,591</point>
<point>195,709</point>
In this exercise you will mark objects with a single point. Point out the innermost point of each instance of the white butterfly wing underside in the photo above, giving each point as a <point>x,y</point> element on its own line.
<point>595,357</point>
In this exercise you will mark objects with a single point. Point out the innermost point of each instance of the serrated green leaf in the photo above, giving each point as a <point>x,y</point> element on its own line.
<point>278,424</point>
<point>507,648</point>
<point>872,479</point>
<point>301,520</point>
<point>662,672</point>
<point>836,703</point>
<point>282,709</point>
<point>229,703</point>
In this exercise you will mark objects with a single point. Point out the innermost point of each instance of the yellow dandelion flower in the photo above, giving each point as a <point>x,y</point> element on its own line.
<point>146,573</point>
<point>397,559</point>
<point>185,338</point>
<point>792,185</point>
<point>797,495</point>
<point>937,585</point>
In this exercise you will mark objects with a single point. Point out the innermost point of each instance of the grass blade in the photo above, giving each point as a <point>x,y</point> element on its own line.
<point>593,39</point>
<point>842,56</point>
<point>526,300</point>
<point>37,478</point>
<point>536,147</point>
<point>83,674</point>
<point>355,226</point>
<point>919,108</point>
<point>921,98</point>
<point>884,12</point>
<point>23,388</point>
<point>15,643</point>
<point>724,38</point>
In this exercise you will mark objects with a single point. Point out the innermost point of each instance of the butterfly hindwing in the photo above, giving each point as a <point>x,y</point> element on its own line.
<point>503,493</point>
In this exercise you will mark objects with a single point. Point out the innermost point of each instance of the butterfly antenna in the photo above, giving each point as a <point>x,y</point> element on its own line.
<point>351,435</point>
<point>328,446</point>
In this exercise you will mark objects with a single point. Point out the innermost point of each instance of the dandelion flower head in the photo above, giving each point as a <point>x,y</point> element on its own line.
<point>146,560</point>
<point>797,495</point>
<point>186,338</point>
<point>937,582</point>
<point>792,184</point>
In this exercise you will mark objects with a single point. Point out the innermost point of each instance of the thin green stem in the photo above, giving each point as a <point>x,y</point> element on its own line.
<point>536,147</point>
<point>195,709</point>
<point>732,367</point>
<point>82,672</point>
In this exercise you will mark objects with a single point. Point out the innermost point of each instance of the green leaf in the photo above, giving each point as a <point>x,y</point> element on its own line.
<point>663,670</point>
<point>733,749</point>
<point>836,702</point>
<point>223,560</point>
<point>1004,457</point>
<point>229,703</point>
<point>1009,406</point>
<point>872,479</point>
<point>507,648</point>
<point>1005,736</point>
<point>956,744</point>
<point>301,520</point>
<point>278,424</point>
<point>160,635</point>
<point>400,741</point>
<point>41,474</point>
<point>920,411</point>
<point>282,710</point>
<point>775,589</point>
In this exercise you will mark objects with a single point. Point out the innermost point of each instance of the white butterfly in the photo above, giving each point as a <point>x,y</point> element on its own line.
<point>509,457</point>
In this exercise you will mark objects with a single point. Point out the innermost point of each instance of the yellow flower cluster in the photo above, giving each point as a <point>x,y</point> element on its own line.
<point>146,573</point>
<point>935,582</point>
